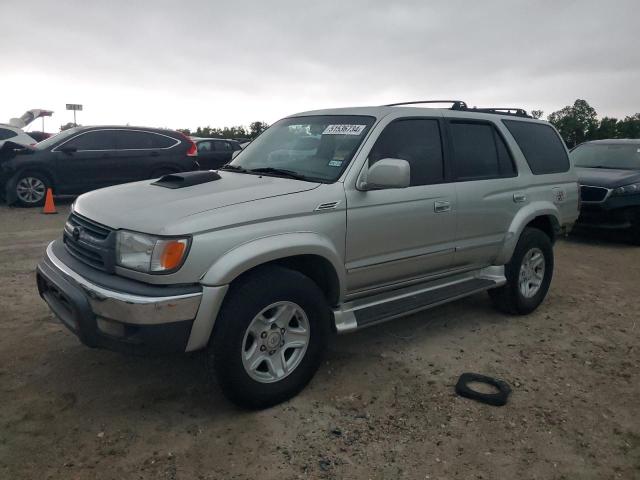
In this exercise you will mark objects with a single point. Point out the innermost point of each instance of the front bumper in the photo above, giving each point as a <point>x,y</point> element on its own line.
<point>117,319</point>
<point>613,214</point>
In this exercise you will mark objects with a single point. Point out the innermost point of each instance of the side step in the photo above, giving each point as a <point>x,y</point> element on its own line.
<point>398,303</point>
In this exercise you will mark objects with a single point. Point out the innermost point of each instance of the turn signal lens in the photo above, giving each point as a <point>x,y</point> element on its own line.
<point>150,254</point>
<point>168,255</point>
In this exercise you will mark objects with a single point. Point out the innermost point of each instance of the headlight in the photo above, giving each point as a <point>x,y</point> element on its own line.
<point>627,189</point>
<point>150,254</point>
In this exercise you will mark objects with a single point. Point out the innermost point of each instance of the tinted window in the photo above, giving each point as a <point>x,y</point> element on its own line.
<point>416,141</point>
<point>479,151</point>
<point>95,140</point>
<point>205,147</point>
<point>133,140</point>
<point>5,133</point>
<point>222,146</point>
<point>541,146</point>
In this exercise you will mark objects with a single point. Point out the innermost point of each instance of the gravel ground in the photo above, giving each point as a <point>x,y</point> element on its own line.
<point>382,406</point>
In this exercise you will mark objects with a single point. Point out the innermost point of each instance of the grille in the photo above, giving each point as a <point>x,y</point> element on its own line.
<point>94,245</point>
<point>94,229</point>
<point>593,194</point>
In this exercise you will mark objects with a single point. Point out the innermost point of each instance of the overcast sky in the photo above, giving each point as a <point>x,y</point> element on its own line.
<point>184,64</point>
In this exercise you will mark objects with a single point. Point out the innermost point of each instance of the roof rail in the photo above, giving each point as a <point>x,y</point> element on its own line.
<point>462,106</point>
<point>456,104</point>
<point>515,111</point>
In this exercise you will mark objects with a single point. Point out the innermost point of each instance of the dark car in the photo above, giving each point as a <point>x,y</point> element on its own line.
<point>609,175</point>
<point>86,158</point>
<point>215,152</point>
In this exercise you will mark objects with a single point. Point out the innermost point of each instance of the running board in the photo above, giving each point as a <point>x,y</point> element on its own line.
<point>405,301</point>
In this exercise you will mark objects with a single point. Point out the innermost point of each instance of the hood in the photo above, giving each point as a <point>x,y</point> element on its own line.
<point>148,208</point>
<point>607,177</point>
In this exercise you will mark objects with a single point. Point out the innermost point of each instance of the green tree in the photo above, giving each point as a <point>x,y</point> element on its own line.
<point>256,128</point>
<point>186,131</point>
<point>629,127</point>
<point>576,123</point>
<point>537,113</point>
<point>607,128</point>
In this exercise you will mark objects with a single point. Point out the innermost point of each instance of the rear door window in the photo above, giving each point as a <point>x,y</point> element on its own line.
<point>479,152</point>
<point>6,133</point>
<point>222,146</point>
<point>93,140</point>
<point>205,147</point>
<point>541,146</point>
<point>418,142</point>
<point>133,140</point>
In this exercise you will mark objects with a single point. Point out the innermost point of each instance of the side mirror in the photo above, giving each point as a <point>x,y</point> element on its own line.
<point>69,150</point>
<point>235,154</point>
<point>386,173</point>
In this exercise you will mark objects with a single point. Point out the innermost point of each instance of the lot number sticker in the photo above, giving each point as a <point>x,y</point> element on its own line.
<point>343,129</point>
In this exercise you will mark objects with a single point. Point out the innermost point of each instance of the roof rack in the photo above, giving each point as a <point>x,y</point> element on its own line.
<point>455,104</point>
<point>462,106</point>
<point>517,112</point>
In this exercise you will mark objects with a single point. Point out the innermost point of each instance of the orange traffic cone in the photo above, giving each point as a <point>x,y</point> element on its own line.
<point>49,206</point>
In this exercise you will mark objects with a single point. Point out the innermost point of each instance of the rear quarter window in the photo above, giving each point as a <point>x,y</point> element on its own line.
<point>541,146</point>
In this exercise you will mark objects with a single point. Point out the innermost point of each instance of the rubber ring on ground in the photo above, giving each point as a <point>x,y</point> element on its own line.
<point>498,399</point>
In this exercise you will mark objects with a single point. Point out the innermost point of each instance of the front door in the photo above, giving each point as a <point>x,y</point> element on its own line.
<point>394,235</point>
<point>86,162</point>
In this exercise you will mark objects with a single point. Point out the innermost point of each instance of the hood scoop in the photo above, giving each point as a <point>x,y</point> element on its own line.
<point>186,179</point>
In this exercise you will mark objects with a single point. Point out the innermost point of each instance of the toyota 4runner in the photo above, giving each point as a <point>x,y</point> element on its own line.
<point>330,221</point>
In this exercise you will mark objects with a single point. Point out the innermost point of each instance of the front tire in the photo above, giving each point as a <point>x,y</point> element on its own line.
<point>30,189</point>
<point>528,274</point>
<point>269,337</point>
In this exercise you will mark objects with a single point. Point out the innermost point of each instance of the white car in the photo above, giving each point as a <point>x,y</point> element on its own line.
<point>14,134</point>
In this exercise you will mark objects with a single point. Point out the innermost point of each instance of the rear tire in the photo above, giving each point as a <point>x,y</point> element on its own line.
<point>528,274</point>
<point>30,189</point>
<point>259,352</point>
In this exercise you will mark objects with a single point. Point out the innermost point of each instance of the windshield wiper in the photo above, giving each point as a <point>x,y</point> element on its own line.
<point>233,168</point>
<point>279,172</point>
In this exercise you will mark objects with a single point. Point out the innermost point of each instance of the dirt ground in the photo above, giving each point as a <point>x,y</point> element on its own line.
<point>382,406</point>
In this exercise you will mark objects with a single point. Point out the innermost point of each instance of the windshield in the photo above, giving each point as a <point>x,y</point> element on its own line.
<point>315,148</point>
<point>622,156</point>
<point>49,142</point>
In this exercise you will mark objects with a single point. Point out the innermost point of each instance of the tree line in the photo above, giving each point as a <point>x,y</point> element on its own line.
<point>239,131</point>
<point>579,123</point>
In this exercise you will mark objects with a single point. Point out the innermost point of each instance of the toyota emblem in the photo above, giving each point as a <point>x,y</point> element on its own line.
<point>76,233</point>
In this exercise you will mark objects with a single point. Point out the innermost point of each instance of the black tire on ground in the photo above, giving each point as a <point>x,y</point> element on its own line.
<point>246,298</point>
<point>509,298</point>
<point>38,181</point>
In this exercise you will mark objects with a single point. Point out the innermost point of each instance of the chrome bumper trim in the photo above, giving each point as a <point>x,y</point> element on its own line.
<point>129,308</point>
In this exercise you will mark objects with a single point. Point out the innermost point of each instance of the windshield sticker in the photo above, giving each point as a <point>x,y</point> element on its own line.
<point>344,129</point>
<point>335,163</point>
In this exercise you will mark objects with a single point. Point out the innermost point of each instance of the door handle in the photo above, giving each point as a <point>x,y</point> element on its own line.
<point>154,154</point>
<point>441,206</point>
<point>519,197</point>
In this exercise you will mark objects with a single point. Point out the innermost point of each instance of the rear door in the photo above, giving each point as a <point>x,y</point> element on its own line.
<point>487,186</point>
<point>88,162</point>
<point>141,154</point>
<point>395,235</point>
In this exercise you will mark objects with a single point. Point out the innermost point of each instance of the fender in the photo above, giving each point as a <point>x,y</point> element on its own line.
<point>524,216</point>
<point>274,247</point>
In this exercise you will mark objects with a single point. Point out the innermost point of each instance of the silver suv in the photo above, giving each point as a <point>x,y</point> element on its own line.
<point>330,221</point>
